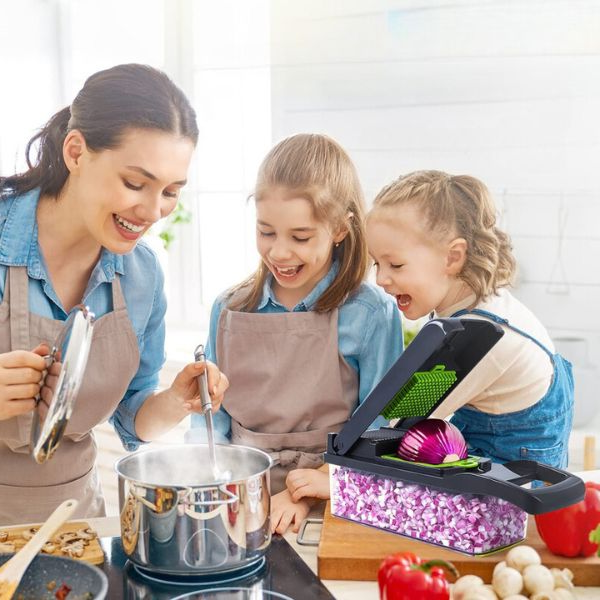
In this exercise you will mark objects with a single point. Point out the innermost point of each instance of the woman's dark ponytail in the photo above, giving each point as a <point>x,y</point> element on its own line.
<point>48,170</point>
<point>111,101</point>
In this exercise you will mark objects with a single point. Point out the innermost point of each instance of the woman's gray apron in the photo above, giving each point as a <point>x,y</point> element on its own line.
<point>29,492</point>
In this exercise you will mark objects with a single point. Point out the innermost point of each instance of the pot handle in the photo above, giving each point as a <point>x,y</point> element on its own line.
<point>190,507</point>
<point>151,505</point>
<point>231,498</point>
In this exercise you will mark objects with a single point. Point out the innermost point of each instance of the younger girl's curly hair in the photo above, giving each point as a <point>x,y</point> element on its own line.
<point>461,206</point>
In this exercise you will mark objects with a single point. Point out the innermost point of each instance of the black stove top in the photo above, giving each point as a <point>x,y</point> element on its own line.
<point>281,574</point>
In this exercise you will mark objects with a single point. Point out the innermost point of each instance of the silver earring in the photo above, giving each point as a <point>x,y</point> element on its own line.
<point>337,245</point>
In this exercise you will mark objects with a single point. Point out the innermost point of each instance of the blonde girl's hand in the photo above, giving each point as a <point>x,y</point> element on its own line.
<point>21,373</point>
<point>286,513</point>
<point>185,385</point>
<point>307,483</point>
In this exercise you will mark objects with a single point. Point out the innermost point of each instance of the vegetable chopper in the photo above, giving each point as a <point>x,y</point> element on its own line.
<point>474,506</point>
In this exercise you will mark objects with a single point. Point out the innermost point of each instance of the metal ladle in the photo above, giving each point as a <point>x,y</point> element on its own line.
<point>206,403</point>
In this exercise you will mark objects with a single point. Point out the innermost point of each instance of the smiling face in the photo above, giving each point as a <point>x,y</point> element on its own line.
<point>123,191</point>
<point>296,248</point>
<point>412,265</point>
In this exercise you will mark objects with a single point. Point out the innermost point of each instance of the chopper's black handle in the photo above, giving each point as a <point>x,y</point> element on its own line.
<point>565,488</point>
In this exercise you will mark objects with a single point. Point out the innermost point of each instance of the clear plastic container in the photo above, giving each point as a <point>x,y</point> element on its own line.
<point>468,523</point>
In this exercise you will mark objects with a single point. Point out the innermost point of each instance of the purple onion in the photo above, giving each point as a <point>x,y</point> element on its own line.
<point>433,441</point>
<point>469,523</point>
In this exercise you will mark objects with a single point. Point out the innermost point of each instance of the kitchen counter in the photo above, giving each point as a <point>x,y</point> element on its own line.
<point>342,590</point>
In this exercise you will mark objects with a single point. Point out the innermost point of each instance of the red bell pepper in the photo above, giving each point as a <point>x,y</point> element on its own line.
<point>566,532</point>
<point>62,592</point>
<point>404,576</point>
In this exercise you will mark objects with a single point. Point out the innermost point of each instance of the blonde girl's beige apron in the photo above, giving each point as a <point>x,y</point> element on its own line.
<point>29,492</point>
<point>289,384</point>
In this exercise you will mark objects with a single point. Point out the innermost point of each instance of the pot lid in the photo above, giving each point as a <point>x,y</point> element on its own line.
<point>65,366</point>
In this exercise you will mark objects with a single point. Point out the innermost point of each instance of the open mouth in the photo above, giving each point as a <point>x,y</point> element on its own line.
<point>287,272</point>
<point>403,301</point>
<point>128,225</point>
<point>127,229</point>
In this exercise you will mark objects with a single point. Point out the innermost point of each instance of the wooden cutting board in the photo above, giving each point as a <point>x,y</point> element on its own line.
<point>351,551</point>
<point>92,553</point>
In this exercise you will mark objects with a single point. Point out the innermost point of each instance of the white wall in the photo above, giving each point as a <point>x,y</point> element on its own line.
<point>505,91</point>
<point>231,93</point>
<point>31,82</point>
<point>49,47</point>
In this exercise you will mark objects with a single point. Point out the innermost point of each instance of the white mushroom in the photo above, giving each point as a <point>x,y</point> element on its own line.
<point>49,548</point>
<point>558,594</point>
<point>501,565</point>
<point>516,597</point>
<point>563,578</point>
<point>67,537</point>
<point>29,533</point>
<point>6,547</point>
<point>522,556</point>
<point>464,584</point>
<point>72,546</point>
<point>507,582</point>
<point>481,592</point>
<point>86,534</point>
<point>538,578</point>
<point>562,594</point>
<point>74,550</point>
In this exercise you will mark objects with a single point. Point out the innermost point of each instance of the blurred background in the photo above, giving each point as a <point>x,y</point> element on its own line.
<point>505,90</point>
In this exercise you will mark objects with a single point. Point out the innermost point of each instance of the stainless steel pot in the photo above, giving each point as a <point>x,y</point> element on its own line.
<point>177,519</point>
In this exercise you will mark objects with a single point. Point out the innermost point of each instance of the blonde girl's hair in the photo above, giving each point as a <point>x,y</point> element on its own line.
<point>316,168</point>
<point>461,206</point>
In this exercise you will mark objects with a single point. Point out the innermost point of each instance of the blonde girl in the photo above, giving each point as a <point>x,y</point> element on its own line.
<point>438,251</point>
<point>304,339</point>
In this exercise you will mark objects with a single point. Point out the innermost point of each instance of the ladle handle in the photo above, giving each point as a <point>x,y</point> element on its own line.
<point>205,400</point>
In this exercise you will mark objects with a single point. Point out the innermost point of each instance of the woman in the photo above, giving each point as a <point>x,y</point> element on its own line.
<point>107,168</point>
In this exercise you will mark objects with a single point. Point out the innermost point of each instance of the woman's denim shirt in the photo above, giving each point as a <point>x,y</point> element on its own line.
<point>141,281</point>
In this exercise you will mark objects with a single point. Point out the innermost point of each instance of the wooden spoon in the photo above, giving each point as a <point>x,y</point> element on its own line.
<point>13,570</point>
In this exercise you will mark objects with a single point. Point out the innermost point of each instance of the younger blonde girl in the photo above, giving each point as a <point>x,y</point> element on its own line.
<point>438,250</point>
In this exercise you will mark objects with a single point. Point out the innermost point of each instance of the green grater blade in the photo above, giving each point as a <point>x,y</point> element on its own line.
<point>471,462</point>
<point>420,394</point>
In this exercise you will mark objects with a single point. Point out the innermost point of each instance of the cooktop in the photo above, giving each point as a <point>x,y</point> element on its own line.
<point>281,574</point>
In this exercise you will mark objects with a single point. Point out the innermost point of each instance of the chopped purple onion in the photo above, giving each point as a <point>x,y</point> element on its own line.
<point>470,523</point>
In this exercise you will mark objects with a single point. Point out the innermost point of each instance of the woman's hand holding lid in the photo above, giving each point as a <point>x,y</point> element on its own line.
<point>21,374</point>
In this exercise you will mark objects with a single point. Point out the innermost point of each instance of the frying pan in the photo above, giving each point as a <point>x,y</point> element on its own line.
<point>80,576</point>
